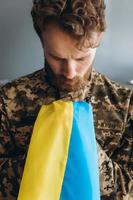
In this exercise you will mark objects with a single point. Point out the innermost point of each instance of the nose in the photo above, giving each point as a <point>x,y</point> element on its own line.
<point>69,69</point>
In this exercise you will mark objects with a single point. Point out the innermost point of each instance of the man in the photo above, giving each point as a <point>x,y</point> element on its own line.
<point>70,32</point>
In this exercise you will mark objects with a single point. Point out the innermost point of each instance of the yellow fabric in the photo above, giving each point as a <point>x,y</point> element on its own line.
<point>48,151</point>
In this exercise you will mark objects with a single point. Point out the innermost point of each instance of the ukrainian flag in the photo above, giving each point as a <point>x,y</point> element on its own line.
<point>61,162</point>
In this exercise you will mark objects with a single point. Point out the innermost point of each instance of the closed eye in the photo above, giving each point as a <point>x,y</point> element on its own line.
<point>56,58</point>
<point>81,59</point>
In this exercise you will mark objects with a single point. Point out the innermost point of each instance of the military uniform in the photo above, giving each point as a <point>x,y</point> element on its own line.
<point>20,102</point>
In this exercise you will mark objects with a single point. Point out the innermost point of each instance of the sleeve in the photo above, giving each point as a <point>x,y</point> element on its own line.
<point>9,167</point>
<point>116,172</point>
<point>4,129</point>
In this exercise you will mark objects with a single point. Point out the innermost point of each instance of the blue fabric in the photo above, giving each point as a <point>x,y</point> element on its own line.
<point>81,179</point>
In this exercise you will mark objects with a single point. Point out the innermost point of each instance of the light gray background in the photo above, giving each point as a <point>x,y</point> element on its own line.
<point>21,52</point>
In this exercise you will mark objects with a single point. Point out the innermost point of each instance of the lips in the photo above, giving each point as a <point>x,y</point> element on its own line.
<point>69,83</point>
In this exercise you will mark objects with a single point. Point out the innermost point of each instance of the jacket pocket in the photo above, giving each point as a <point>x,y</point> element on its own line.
<point>109,135</point>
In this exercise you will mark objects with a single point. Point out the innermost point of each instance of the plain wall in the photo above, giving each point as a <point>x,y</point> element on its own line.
<point>21,52</point>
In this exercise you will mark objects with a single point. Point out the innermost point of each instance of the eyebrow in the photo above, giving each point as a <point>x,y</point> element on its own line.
<point>59,57</point>
<point>55,56</point>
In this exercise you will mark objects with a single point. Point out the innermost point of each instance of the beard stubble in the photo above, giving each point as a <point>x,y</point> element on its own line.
<point>62,84</point>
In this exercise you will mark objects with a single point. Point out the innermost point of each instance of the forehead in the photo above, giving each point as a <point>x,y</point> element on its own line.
<point>56,40</point>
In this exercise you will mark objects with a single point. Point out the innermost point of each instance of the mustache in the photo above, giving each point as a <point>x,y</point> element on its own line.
<point>68,85</point>
<point>64,79</point>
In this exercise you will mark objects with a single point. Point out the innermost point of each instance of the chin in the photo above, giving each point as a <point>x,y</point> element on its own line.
<point>70,87</point>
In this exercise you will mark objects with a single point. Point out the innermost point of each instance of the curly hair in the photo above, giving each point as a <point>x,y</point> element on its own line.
<point>77,17</point>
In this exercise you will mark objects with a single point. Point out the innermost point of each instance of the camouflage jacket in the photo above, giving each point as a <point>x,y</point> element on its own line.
<point>20,102</point>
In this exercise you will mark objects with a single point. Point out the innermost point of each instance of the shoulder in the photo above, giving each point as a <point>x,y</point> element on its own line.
<point>24,93</point>
<point>113,110</point>
<point>26,86</point>
<point>112,102</point>
<point>106,88</point>
<point>26,82</point>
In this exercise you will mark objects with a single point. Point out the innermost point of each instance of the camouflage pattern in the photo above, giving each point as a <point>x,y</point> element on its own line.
<point>20,102</point>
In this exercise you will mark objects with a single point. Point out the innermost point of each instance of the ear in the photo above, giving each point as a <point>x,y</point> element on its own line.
<point>99,37</point>
<point>42,42</point>
<point>101,34</point>
<point>95,38</point>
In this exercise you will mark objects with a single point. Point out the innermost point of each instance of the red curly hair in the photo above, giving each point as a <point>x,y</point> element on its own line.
<point>77,17</point>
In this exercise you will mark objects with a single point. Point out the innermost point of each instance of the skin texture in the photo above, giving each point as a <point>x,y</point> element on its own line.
<point>69,66</point>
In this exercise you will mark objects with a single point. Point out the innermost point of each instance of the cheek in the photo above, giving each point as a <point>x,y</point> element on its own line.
<point>54,65</point>
<point>83,67</point>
